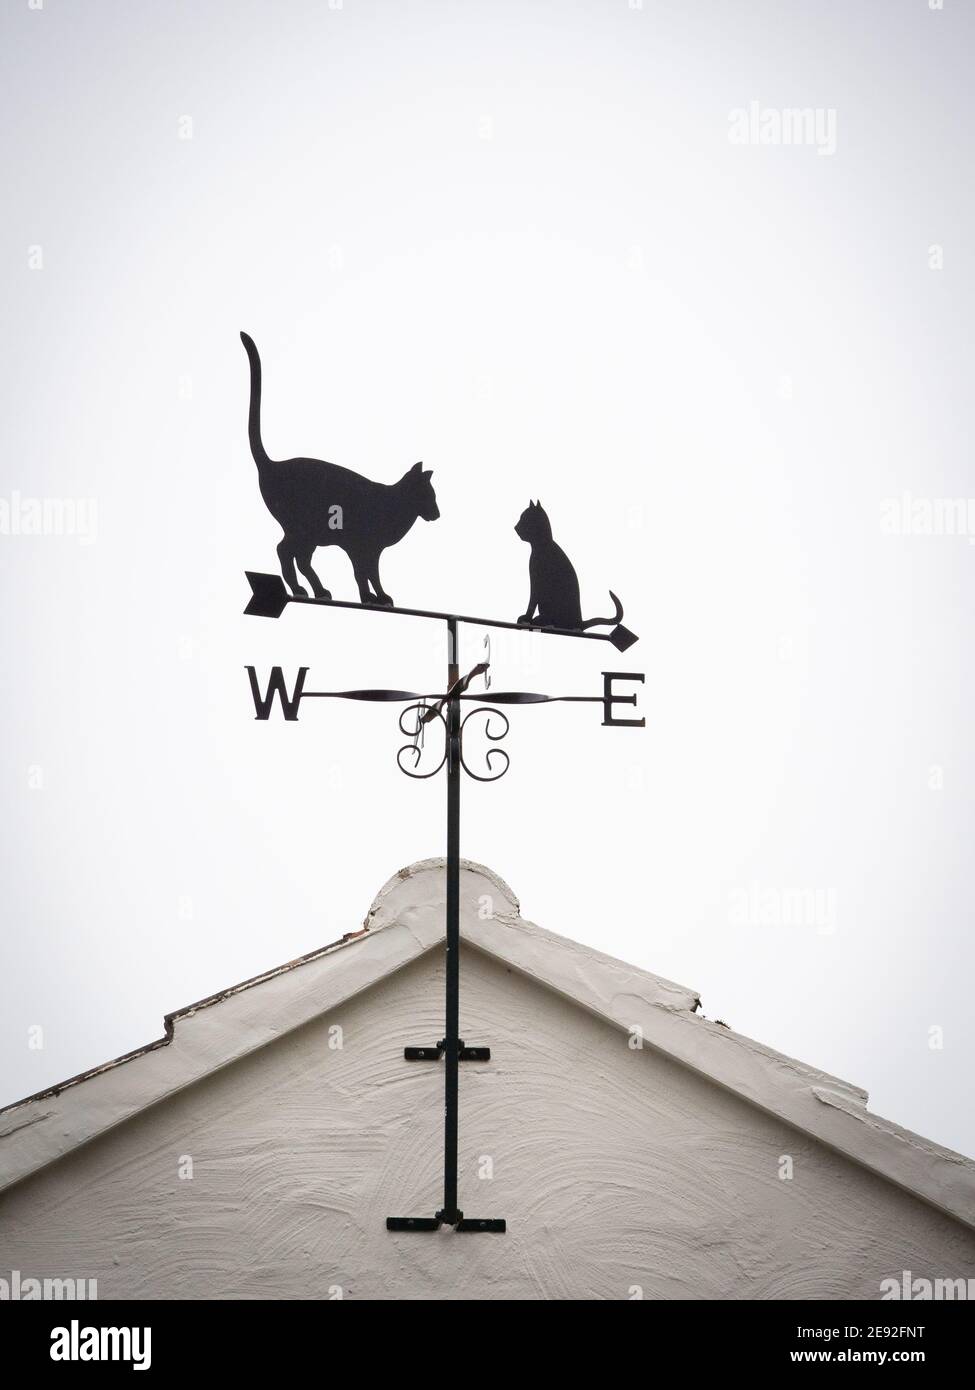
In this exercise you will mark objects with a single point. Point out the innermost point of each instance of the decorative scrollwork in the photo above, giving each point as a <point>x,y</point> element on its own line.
<point>490,754</point>
<point>415,730</point>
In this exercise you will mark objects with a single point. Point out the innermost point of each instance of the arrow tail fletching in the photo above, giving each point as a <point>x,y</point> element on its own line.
<point>269,597</point>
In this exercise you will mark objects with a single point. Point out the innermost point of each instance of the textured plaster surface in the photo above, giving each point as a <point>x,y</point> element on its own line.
<point>615,1167</point>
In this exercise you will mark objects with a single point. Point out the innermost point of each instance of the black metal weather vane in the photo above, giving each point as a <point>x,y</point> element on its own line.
<point>319,503</point>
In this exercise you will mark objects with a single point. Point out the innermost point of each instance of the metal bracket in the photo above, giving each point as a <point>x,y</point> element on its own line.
<point>460,1222</point>
<point>434,1053</point>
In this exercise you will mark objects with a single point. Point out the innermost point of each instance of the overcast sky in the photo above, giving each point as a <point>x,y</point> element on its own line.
<point>577,250</point>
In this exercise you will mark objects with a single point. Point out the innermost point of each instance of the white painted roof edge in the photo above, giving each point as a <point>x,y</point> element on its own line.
<point>405,922</point>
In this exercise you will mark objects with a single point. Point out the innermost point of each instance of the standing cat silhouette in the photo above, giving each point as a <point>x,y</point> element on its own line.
<point>317,503</point>
<point>553,580</point>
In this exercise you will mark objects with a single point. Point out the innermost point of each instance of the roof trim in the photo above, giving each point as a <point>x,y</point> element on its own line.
<point>407,920</point>
<point>169,1022</point>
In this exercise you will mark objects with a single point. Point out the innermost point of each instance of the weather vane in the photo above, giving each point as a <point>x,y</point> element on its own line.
<point>321,504</point>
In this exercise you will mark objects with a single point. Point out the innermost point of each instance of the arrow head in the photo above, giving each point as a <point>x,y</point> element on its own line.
<point>269,597</point>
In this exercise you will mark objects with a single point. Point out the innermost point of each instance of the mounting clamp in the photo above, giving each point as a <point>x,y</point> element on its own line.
<point>457,1219</point>
<point>434,1053</point>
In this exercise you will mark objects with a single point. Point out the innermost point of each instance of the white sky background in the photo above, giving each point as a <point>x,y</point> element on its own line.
<point>512,240</point>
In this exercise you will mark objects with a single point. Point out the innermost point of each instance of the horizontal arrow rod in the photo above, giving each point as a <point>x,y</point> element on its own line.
<point>490,697</point>
<point>269,598</point>
<point>434,705</point>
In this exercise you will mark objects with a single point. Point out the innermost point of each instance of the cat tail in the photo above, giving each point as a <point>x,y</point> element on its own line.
<point>254,418</point>
<point>599,622</point>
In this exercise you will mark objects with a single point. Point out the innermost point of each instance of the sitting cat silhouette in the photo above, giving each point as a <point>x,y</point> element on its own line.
<point>553,580</point>
<point>317,503</point>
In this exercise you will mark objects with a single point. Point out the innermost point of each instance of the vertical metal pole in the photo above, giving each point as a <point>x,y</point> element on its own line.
<point>451,1214</point>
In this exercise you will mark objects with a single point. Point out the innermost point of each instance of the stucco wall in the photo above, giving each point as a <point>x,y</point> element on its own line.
<point>614,1168</point>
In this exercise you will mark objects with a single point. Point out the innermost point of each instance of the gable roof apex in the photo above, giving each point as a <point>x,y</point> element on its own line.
<point>406,920</point>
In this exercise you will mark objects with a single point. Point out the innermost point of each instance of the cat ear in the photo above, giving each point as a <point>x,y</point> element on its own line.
<point>427,473</point>
<point>417,468</point>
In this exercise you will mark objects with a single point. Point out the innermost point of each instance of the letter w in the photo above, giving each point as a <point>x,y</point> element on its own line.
<point>263,704</point>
